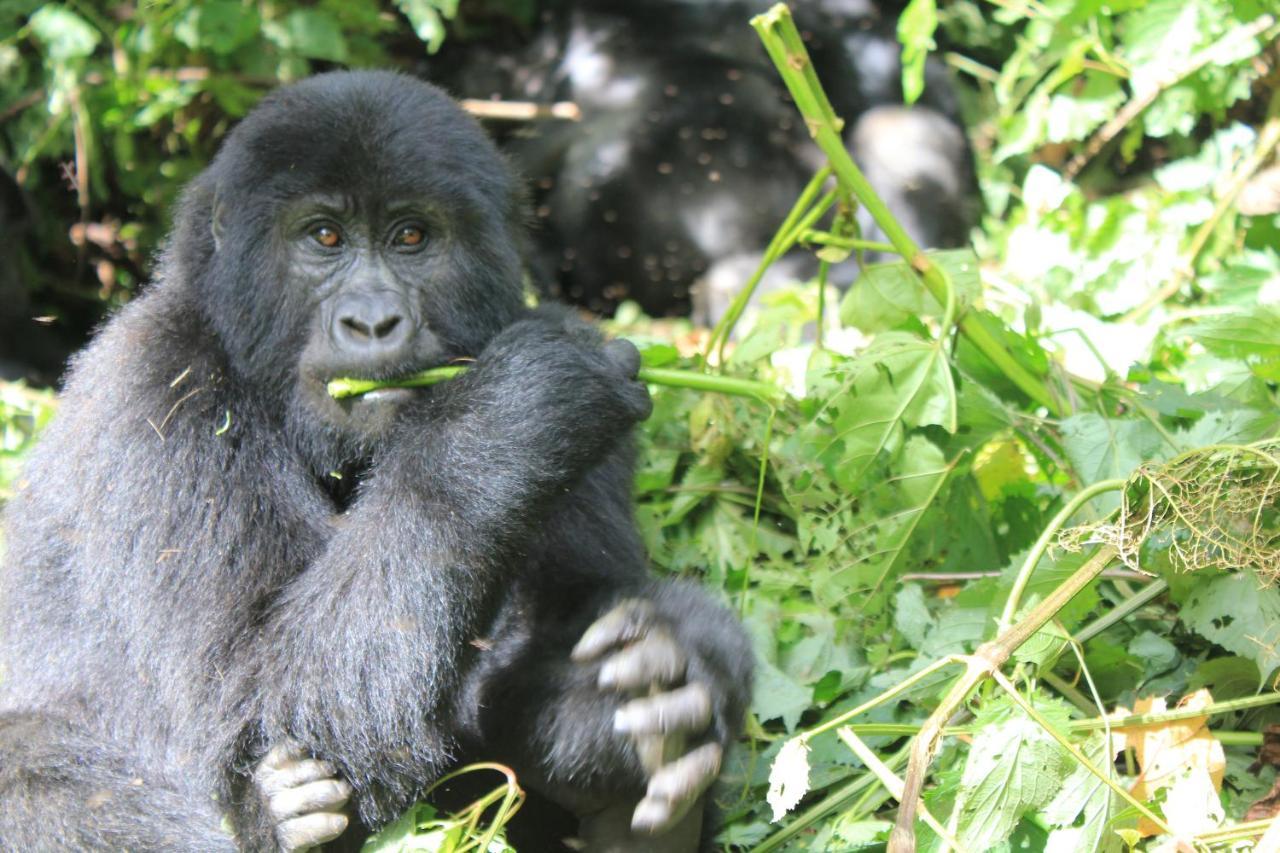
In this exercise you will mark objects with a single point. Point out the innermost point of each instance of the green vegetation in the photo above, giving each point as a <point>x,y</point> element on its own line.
<point>1010,491</point>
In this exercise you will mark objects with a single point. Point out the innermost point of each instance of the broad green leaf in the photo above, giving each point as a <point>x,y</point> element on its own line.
<point>311,33</point>
<point>1102,448</point>
<point>890,294</point>
<point>1252,334</point>
<point>778,696</point>
<point>1085,805</point>
<point>65,34</point>
<point>1227,678</point>
<point>1238,613</point>
<point>217,25</point>
<point>900,382</point>
<point>910,615</point>
<point>1157,654</point>
<point>1014,768</point>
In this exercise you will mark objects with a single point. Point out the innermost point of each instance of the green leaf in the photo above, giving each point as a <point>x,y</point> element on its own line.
<point>1238,613</point>
<point>1157,654</point>
<point>427,19</point>
<point>65,34</point>
<point>311,33</point>
<point>1252,334</point>
<point>1227,678</point>
<point>217,25</point>
<point>778,696</point>
<point>1084,806</point>
<point>1014,768</point>
<point>916,25</point>
<point>1102,448</point>
<point>890,294</point>
<point>910,615</point>
<point>897,383</point>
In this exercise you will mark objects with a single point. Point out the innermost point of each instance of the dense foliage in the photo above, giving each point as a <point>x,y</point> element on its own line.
<point>1116,334</point>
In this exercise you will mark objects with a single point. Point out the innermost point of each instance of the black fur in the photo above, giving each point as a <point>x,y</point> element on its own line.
<point>207,555</point>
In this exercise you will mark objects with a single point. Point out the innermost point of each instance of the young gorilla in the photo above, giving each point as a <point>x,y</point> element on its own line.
<point>229,602</point>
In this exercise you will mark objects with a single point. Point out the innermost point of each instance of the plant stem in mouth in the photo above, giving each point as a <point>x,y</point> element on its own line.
<point>346,387</point>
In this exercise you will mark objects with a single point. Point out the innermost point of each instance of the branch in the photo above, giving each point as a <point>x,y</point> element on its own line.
<point>1217,53</point>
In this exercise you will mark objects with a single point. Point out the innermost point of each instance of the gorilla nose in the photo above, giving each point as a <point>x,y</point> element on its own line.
<point>371,323</point>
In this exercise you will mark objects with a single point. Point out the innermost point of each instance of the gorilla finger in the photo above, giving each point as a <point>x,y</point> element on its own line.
<point>685,709</point>
<point>327,795</point>
<point>626,622</point>
<point>294,774</point>
<point>623,355</point>
<point>655,658</point>
<point>282,754</point>
<point>675,788</point>
<point>639,402</point>
<point>303,833</point>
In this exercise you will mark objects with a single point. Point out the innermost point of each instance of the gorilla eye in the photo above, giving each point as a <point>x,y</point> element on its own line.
<point>326,235</point>
<point>409,235</point>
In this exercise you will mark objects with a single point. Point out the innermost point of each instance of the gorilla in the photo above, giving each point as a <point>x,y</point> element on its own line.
<point>689,153</point>
<point>237,614</point>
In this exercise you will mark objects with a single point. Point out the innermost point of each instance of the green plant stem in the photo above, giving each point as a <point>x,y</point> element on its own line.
<point>822,238</point>
<point>342,388</point>
<point>802,215</point>
<point>892,783</point>
<point>979,666</point>
<point>1042,544</point>
<point>782,41</point>
<point>1151,591</point>
<point>1225,707</point>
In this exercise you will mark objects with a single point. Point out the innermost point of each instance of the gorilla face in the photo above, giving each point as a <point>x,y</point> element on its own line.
<point>381,276</point>
<point>352,226</point>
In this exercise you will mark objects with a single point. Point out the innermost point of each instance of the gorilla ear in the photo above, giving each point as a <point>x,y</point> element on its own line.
<point>217,223</point>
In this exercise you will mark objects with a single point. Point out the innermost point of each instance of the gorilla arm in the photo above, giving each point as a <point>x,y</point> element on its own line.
<point>367,648</point>
<point>611,692</point>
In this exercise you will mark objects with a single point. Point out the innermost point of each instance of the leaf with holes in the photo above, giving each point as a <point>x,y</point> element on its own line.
<point>1238,613</point>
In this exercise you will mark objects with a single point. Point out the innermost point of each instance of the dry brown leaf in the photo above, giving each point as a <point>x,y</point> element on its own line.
<point>1170,753</point>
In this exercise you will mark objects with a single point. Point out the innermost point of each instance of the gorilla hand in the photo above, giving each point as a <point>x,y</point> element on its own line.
<point>558,389</point>
<point>641,657</point>
<point>303,797</point>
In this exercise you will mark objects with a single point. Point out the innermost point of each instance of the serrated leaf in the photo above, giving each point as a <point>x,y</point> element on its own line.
<point>1101,448</point>
<point>778,696</point>
<point>1251,334</point>
<point>1014,768</point>
<point>900,382</point>
<point>1239,614</point>
<point>1084,806</point>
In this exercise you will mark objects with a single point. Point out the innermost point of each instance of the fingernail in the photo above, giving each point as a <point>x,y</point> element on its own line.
<point>622,721</point>
<point>649,816</point>
<point>608,674</point>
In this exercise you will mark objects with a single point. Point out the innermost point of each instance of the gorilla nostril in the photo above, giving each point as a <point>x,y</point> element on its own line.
<point>356,327</point>
<point>386,327</point>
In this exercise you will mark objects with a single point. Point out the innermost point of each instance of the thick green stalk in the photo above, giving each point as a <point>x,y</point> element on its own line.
<point>1046,538</point>
<point>341,388</point>
<point>787,50</point>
